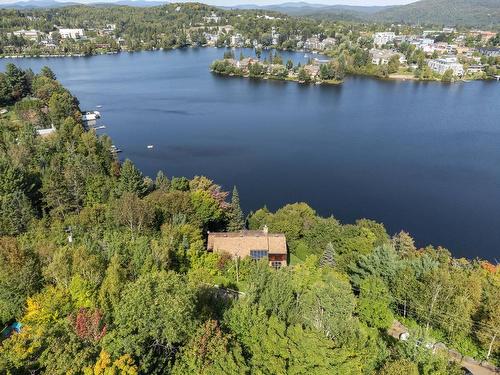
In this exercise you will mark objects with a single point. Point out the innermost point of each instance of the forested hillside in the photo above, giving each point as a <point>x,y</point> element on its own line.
<point>104,270</point>
<point>473,13</point>
<point>485,13</point>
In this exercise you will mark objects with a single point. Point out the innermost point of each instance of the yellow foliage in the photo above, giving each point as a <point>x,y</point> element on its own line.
<point>104,366</point>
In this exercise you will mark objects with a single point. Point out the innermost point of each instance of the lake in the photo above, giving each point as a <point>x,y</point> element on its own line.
<point>423,157</point>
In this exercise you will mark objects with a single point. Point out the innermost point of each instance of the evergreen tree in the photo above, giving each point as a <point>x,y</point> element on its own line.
<point>403,243</point>
<point>328,257</point>
<point>236,218</point>
<point>47,72</point>
<point>131,179</point>
<point>162,182</point>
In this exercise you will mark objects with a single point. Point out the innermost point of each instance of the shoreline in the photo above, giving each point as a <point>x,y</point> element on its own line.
<point>270,78</point>
<point>391,77</point>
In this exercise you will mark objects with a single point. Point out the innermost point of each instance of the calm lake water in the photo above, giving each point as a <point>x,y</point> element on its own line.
<point>420,157</point>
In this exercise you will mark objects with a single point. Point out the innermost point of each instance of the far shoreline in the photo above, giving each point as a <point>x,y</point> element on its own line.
<point>396,77</point>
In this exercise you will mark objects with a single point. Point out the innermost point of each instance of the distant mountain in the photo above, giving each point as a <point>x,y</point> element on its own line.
<point>317,11</point>
<point>480,13</point>
<point>37,4</point>
<point>445,12</point>
<point>310,9</point>
<point>34,4</point>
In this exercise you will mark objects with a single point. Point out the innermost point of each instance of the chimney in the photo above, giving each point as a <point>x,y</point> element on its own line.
<point>265,229</point>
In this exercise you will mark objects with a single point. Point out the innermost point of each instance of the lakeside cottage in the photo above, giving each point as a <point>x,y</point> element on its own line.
<point>256,244</point>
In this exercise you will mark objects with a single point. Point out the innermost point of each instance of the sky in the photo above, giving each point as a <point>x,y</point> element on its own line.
<point>262,2</point>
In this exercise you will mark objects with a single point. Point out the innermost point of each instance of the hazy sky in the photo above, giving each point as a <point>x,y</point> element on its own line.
<point>264,2</point>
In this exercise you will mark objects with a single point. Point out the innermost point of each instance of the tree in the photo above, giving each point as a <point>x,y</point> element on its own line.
<point>104,365</point>
<point>303,77</point>
<point>133,212</point>
<point>16,212</point>
<point>16,82</point>
<point>179,183</point>
<point>403,243</point>
<point>236,218</point>
<point>393,64</point>
<point>374,300</point>
<point>153,318</point>
<point>289,64</point>
<point>20,277</point>
<point>61,106</point>
<point>328,257</point>
<point>131,179</point>
<point>399,367</point>
<point>211,352</point>
<point>488,330</point>
<point>47,72</point>
<point>89,325</point>
<point>162,182</point>
<point>447,76</point>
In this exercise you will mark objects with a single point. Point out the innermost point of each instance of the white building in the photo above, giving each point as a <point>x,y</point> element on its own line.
<point>380,39</point>
<point>212,18</point>
<point>72,33</point>
<point>275,36</point>
<point>28,34</point>
<point>447,62</point>
<point>328,43</point>
<point>382,56</point>
<point>236,40</point>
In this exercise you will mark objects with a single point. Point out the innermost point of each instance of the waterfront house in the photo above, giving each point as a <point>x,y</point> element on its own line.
<point>256,244</point>
<point>476,68</point>
<point>237,40</point>
<point>71,33</point>
<point>447,62</point>
<point>312,44</point>
<point>383,56</point>
<point>245,63</point>
<point>312,70</point>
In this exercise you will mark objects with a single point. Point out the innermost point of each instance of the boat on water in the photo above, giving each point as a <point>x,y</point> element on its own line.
<point>91,115</point>
<point>98,106</point>
<point>115,150</point>
<point>151,146</point>
<point>306,56</point>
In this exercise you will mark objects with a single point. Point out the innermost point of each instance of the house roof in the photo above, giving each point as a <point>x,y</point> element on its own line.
<point>244,241</point>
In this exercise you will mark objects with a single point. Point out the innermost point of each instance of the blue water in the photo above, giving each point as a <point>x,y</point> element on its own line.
<point>423,157</point>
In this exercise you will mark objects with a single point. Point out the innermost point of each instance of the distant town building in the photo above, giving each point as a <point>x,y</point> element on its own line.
<point>255,244</point>
<point>445,63</point>
<point>490,52</point>
<point>212,18</point>
<point>312,43</point>
<point>72,33</point>
<point>28,34</point>
<point>275,37</point>
<point>380,39</point>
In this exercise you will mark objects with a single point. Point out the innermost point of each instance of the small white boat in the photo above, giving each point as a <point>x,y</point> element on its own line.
<point>91,115</point>
<point>98,106</point>
<point>151,146</point>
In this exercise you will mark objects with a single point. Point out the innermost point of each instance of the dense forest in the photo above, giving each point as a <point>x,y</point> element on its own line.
<point>104,270</point>
<point>472,13</point>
